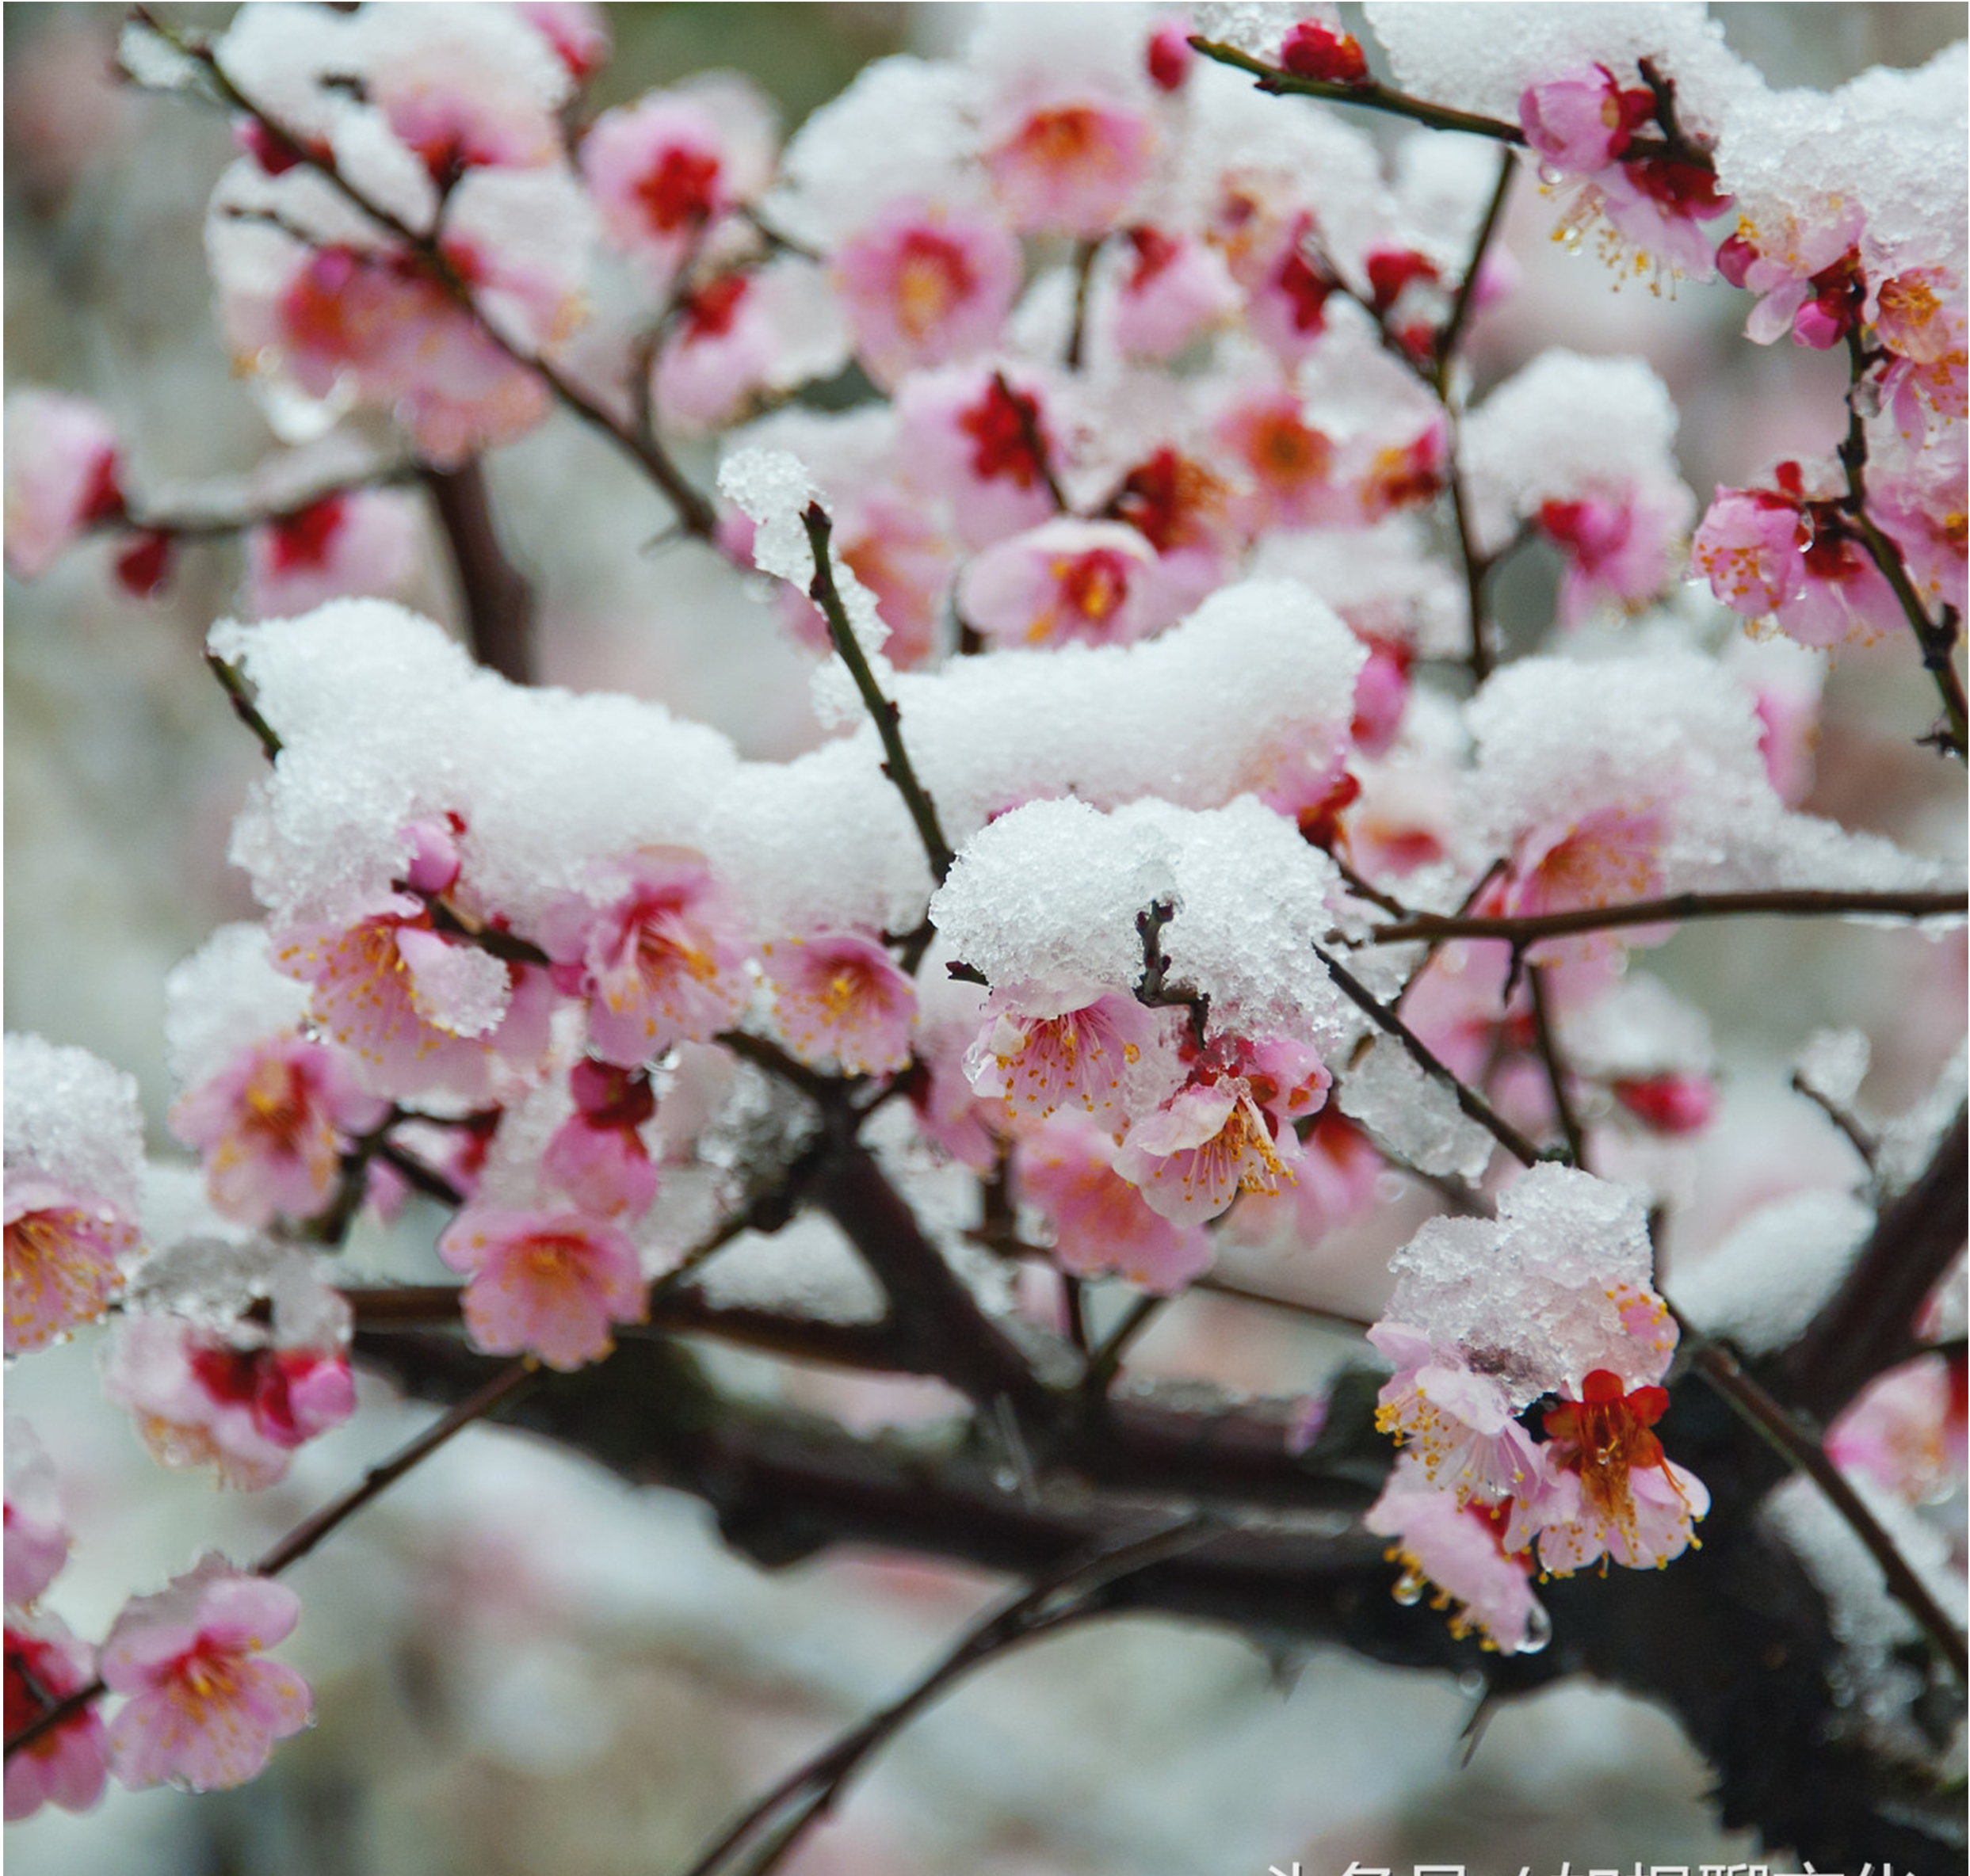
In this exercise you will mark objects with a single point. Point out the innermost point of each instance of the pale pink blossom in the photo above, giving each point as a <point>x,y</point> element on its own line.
<point>62,462</point>
<point>1583,120</point>
<point>1337,1173</point>
<point>923,283</point>
<point>1066,581</point>
<point>1924,509</point>
<point>1617,552</point>
<point>1287,294</point>
<point>66,1766</point>
<point>576,30</point>
<point>1193,1157</point>
<point>1458,1545</point>
<point>1187,511</point>
<point>1657,202</point>
<point>743,336</point>
<point>64,1253</point>
<point>237,1399</point>
<point>664,169</point>
<point>1457,1423</point>
<point>544,1283</point>
<point>1791,265</point>
<point>272,1127</point>
<point>366,541</point>
<point>1609,855</point>
<point>596,1156</point>
<point>37,1540</point>
<point>969,434</point>
<point>205,1710</point>
<point>463,87</point>
<point>1040,1064</point>
<point>1288,464</point>
<point>1906,1429</point>
<point>1070,167</point>
<point>1102,1226</point>
<point>1606,1488</point>
<point>842,996</point>
<point>1174,288</point>
<point>661,959</point>
<point>417,1009</point>
<point>1749,547</point>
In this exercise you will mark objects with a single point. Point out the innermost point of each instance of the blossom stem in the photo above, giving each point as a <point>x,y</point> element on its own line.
<point>1072,1593</point>
<point>243,706</point>
<point>1372,97</point>
<point>1460,308</point>
<point>1473,1104</point>
<point>896,764</point>
<point>1789,903</point>
<point>696,513</point>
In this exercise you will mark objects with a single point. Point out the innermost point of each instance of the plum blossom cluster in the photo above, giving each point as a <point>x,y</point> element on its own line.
<point>1093,416</point>
<point>1553,1300</point>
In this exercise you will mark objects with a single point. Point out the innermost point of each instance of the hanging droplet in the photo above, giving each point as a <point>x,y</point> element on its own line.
<point>1538,1631</point>
<point>1409,1588</point>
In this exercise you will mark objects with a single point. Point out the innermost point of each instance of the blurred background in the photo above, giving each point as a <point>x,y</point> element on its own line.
<point>522,1666</point>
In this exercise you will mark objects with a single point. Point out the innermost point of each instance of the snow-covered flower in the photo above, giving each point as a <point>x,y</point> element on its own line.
<point>64,1253</point>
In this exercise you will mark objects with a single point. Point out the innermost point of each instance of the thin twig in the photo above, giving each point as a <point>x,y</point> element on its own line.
<point>1026,413</point>
<point>896,763</point>
<point>1068,1594</point>
<point>1106,1361</point>
<point>1476,568</point>
<point>495,596</point>
<point>1461,308</point>
<point>1548,1044</point>
<point>1474,1105</point>
<point>195,525</point>
<point>1084,253</point>
<point>243,706</point>
<point>1371,97</point>
<point>1858,1137</point>
<point>1529,929</point>
<point>1800,1447</point>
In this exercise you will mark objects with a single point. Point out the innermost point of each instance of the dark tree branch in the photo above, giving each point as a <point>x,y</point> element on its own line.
<point>1867,1324</point>
<point>494,596</point>
<point>1555,1067</point>
<point>1858,1137</point>
<point>1675,910</point>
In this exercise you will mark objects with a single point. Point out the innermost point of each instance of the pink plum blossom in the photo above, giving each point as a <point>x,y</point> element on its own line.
<point>1906,1429</point>
<point>596,1156</point>
<point>1458,1545</point>
<point>1337,1173</point>
<point>1606,1487</point>
<point>1749,549</point>
<point>64,1250</point>
<point>1609,855</point>
<point>1288,464</point>
<point>923,285</point>
<point>62,462</point>
<point>37,1540</point>
<point>1101,1225</point>
<point>842,995</point>
<point>1066,581</point>
<point>664,169</point>
<point>203,1709</point>
<point>1072,166</point>
<point>1041,1064</point>
<point>1458,1423</point>
<point>272,1127</point>
<point>660,960</point>
<point>746,335</point>
<point>576,30</point>
<point>364,542</point>
<point>969,435</point>
<point>66,1766</point>
<point>237,1399</point>
<point>1316,47</point>
<point>1924,509</point>
<point>1583,120</point>
<point>464,89</point>
<point>1617,552</point>
<point>544,1283</point>
<point>1285,306</point>
<point>417,1009</point>
<point>1174,288</point>
<point>1192,1156</point>
<point>1784,264</point>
